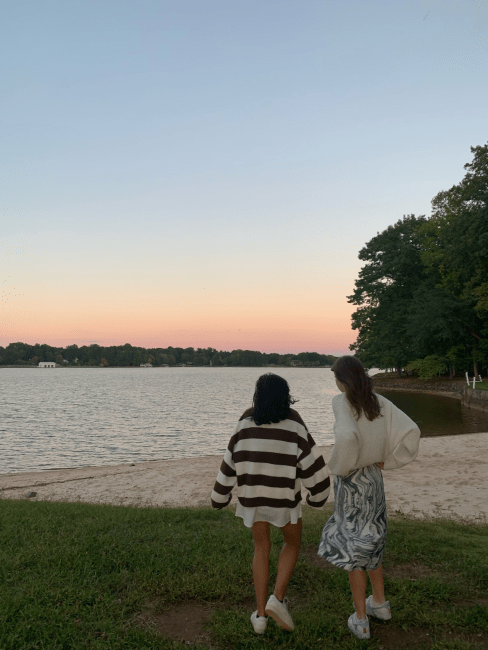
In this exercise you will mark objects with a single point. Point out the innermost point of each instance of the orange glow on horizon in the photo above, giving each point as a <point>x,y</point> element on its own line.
<point>287,321</point>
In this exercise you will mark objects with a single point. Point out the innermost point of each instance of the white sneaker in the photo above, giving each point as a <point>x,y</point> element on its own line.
<point>359,626</point>
<point>277,610</point>
<point>259,623</point>
<point>382,611</point>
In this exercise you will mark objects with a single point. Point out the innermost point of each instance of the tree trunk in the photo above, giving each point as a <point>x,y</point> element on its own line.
<point>475,363</point>
<point>399,371</point>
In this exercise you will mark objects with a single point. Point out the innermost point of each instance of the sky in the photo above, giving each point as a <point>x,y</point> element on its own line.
<point>204,173</point>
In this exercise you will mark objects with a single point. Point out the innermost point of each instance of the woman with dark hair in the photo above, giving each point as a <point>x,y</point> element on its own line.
<point>269,455</point>
<point>371,433</point>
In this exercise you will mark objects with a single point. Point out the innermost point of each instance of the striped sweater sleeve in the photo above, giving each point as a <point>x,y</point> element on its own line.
<point>313,473</point>
<point>226,479</point>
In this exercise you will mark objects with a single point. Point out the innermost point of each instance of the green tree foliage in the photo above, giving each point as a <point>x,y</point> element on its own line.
<point>423,292</point>
<point>310,359</point>
<point>384,293</point>
<point>457,234</point>
<point>127,355</point>
<point>429,367</point>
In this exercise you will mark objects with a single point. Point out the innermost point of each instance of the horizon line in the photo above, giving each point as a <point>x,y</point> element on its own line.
<point>88,345</point>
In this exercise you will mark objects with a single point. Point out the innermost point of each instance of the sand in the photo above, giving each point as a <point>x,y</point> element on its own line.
<point>449,477</point>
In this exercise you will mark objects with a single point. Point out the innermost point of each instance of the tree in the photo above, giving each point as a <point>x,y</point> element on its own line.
<point>436,321</point>
<point>273,358</point>
<point>456,248</point>
<point>161,359</point>
<point>126,355</point>
<point>429,367</point>
<point>458,244</point>
<point>17,353</point>
<point>71,353</point>
<point>384,292</point>
<point>216,360</point>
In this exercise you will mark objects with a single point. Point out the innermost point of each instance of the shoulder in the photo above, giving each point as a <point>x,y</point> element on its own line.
<point>381,399</point>
<point>385,404</point>
<point>339,402</point>
<point>338,398</point>
<point>343,413</point>
<point>247,413</point>
<point>296,417</point>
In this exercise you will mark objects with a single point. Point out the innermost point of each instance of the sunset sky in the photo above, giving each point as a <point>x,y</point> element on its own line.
<point>204,172</point>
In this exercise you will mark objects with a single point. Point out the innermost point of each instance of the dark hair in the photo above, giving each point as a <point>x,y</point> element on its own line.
<point>272,399</point>
<point>359,386</point>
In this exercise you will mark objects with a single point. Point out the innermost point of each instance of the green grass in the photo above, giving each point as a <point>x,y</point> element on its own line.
<point>482,385</point>
<point>79,575</point>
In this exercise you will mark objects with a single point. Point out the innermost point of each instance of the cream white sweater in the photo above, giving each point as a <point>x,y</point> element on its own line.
<point>392,438</point>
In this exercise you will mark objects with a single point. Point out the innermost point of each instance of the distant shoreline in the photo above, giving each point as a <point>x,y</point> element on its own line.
<point>176,366</point>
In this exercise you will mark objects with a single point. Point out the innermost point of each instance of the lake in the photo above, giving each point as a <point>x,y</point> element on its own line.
<point>76,417</point>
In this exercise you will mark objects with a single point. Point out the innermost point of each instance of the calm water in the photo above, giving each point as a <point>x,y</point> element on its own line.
<point>74,417</point>
<point>437,415</point>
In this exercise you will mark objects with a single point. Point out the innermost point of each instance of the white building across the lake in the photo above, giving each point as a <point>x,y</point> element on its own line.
<point>47,364</point>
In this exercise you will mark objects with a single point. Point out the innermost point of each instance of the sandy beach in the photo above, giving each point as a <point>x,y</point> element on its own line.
<point>449,477</point>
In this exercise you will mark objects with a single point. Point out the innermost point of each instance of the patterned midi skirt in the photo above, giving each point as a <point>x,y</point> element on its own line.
<point>355,536</point>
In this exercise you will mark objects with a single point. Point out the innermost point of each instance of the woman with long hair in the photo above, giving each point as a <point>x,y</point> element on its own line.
<point>269,456</point>
<point>371,433</point>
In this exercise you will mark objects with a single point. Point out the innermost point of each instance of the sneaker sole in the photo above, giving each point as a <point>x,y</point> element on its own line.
<point>278,620</point>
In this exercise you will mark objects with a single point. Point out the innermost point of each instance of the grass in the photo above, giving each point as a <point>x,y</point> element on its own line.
<point>81,576</point>
<point>481,385</point>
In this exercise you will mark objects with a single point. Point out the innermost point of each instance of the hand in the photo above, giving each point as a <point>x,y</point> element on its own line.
<point>381,465</point>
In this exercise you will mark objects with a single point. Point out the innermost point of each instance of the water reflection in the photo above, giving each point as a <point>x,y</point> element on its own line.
<point>437,415</point>
<point>73,417</point>
<point>89,416</point>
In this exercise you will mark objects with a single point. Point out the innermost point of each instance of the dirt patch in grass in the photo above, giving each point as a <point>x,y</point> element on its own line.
<point>394,572</point>
<point>407,571</point>
<point>483,602</point>
<point>184,622</point>
<point>310,555</point>
<point>395,637</point>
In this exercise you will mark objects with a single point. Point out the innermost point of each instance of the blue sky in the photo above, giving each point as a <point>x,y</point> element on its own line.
<point>197,156</point>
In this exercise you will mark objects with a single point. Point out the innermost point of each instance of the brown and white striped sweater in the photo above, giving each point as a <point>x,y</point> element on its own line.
<point>269,463</point>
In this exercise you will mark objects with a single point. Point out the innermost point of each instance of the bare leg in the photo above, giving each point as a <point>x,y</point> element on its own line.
<point>357,580</point>
<point>292,536</point>
<point>376,577</point>
<point>260,564</point>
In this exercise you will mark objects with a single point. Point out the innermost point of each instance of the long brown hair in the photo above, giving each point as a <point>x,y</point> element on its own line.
<point>359,386</point>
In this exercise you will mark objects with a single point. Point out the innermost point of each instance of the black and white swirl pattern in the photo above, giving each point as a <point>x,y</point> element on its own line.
<point>355,535</point>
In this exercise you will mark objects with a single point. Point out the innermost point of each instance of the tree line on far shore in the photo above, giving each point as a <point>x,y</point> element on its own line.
<point>128,355</point>
<point>422,297</point>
